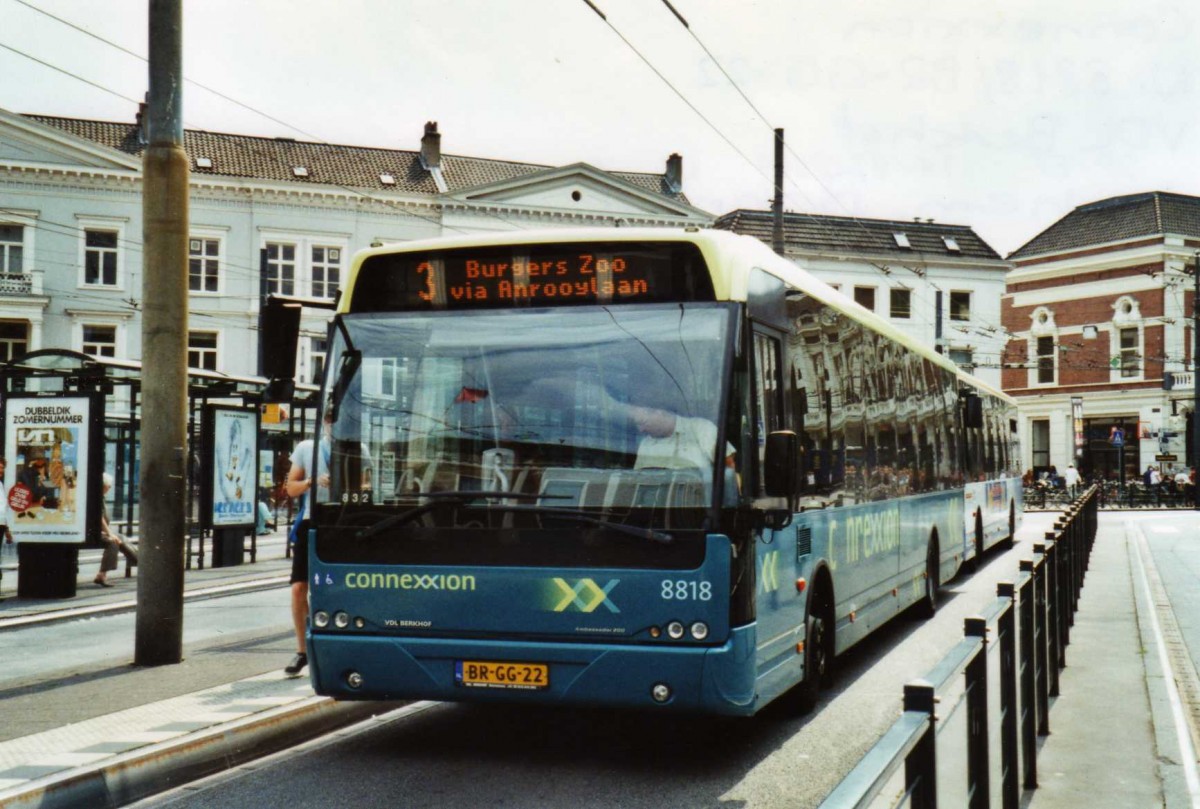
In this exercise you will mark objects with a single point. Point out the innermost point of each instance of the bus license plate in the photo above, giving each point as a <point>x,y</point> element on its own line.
<point>502,674</point>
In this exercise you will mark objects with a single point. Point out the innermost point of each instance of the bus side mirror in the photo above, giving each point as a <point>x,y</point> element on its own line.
<point>779,467</point>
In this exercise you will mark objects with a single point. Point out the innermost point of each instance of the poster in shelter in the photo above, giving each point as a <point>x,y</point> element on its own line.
<point>46,441</point>
<point>234,444</point>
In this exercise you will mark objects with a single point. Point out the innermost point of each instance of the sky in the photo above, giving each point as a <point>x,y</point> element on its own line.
<point>1003,115</point>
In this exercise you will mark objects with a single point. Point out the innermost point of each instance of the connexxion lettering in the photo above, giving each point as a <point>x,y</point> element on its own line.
<point>409,581</point>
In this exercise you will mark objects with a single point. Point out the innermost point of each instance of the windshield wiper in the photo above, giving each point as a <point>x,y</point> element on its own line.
<point>439,499</point>
<point>583,516</point>
<point>463,497</point>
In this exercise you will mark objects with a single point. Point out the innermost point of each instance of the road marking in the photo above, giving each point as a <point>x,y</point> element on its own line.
<point>1183,733</point>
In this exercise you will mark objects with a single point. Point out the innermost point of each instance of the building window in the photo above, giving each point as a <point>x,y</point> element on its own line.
<point>865,297</point>
<point>964,358</point>
<point>318,351</point>
<point>1129,358</point>
<point>12,247</point>
<point>100,341</point>
<point>203,264</point>
<point>100,257</point>
<point>14,339</point>
<point>326,271</point>
<point>901,304</point>
<point>960,305</point>
<point>1045,360</point>
<point>202,350</point>
<point>1040,441</point>
<point>281,268</point>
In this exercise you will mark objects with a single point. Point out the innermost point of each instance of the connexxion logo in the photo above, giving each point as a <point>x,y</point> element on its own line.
<point>584,595</point>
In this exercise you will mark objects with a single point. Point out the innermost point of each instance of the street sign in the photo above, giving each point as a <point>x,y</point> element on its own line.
<point>1116,437</point>
<point>1166,457</point>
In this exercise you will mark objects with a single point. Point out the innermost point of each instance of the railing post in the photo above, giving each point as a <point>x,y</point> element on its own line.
<point>1053,612</point>
<point>978,777</point>
<point>920,768</point>
<point>1041,640</point>
<point>1028,674</point>
<point>1006,631</point>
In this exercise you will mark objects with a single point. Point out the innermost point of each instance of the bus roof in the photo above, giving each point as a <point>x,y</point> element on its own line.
<point>730,258</point>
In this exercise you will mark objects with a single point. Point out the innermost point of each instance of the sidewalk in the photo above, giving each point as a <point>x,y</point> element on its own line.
<point>108,737</point>
<point>1107,745</point>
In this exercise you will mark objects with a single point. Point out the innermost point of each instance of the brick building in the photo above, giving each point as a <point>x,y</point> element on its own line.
<point>1098,310</point>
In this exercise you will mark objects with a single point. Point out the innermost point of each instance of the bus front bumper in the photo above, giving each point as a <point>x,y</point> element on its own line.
<point>708,679</point>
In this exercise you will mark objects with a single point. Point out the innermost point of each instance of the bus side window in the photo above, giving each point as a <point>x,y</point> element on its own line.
<point>768,395</point>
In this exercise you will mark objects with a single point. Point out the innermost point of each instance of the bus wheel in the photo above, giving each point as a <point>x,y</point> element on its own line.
<point>927,606</point>
<point>1012,526</point>
<point>818,655</point>
<point>977,562</point>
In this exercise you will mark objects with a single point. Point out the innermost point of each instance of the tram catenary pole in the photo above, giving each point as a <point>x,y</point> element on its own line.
<point>163,473</point>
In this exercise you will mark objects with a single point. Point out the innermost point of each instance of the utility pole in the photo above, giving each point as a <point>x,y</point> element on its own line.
<point>164,478</point>
<point>938,343</point>
<point>777,243</point>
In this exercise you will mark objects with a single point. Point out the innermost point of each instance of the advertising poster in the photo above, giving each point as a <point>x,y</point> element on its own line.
<point>233,438</point>
<point>46,441</point>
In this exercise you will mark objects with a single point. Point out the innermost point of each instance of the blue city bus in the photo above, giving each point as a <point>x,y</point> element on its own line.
<point>650,468</point>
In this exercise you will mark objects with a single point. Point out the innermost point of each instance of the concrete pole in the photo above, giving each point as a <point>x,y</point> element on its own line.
<point>164,481</point>
<point>777,240</point>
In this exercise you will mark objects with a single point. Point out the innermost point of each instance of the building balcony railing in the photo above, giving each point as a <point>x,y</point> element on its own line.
<point>1179,380</point>
<point>21,283</point>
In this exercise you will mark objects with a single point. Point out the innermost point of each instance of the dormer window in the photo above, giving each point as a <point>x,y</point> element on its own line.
<point>902,241</point>
<point>300,171</point>
<point>951,244</point>
<point>204,163</point>
<point>387,179</point>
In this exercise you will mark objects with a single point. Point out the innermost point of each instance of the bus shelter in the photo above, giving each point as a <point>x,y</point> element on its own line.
<point>220,407</point>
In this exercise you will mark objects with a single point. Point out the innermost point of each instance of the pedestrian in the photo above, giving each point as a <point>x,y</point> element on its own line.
<point>1071,476</point>
<point>113,542</point>
<point>300,484</point>
<point>6,537</point>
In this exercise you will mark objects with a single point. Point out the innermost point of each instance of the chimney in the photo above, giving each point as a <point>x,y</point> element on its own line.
<point>141,122</point>
<point>674,175</point>
<point>431,147</point>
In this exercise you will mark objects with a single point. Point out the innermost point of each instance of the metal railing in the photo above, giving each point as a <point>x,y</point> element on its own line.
<point>1029,625</point>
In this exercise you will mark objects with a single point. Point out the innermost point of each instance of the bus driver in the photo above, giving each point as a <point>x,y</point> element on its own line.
<point>671,441</point>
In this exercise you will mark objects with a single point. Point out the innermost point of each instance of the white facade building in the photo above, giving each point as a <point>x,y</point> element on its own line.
<point>267,214</point>
<point>896,269</point>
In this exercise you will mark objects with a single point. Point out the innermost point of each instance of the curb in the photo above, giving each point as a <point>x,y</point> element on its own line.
<point>159,767</point>
<point>129,605</point>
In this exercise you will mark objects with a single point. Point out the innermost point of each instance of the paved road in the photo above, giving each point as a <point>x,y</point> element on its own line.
<point>456,755</point>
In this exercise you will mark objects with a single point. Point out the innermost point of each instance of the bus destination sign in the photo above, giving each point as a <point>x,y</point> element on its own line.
<point>532,275</point>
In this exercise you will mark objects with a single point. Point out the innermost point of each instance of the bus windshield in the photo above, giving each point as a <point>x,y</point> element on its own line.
<point>609,410</point>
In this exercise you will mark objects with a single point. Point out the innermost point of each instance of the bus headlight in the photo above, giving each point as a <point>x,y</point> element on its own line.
<point>660,692</point>
<point>354,679</point>
<point>699,630</point>
<point>320,619</point>
<point>341,620</point>
<point>675,630</point>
